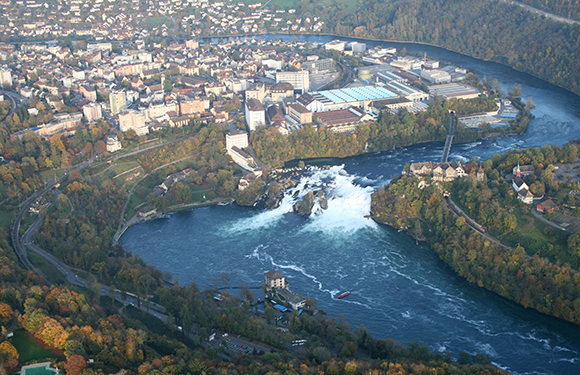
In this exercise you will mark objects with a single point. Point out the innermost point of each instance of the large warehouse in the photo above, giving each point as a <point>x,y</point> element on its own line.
<point>344,98</point>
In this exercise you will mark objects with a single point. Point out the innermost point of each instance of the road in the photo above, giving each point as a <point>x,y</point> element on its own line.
<point>544,13</point>
<point>472,223</point>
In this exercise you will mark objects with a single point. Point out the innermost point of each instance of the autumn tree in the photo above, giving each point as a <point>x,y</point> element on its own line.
<point>75,364</point>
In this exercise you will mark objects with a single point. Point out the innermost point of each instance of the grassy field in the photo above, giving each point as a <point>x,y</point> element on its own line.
<point>31,349</point>
<point>539,238</point>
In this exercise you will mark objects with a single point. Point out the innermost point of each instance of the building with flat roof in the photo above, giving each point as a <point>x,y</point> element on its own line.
<point>335,45</point>
<point>360,97</point>
<point>391,104</point>
<point>238,138</point>
<point>299,113</point>
<point>317,66</point>
<point>93,111</point>
<point>255,114</point>
<point>454,91</point>
<point>132,119</point>
<point>118,101</point>
<point>300,80</point>
<point>342,120</point>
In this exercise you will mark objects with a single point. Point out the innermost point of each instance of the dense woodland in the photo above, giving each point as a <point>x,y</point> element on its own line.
<point>541,273</point>
<point>490,30</point>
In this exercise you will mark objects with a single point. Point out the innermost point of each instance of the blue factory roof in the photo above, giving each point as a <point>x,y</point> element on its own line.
<point>280,307</point>
<point>354,94</point>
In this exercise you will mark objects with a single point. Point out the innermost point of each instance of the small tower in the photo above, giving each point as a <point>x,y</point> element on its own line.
<point>480,176</point>
<point>518,172</point>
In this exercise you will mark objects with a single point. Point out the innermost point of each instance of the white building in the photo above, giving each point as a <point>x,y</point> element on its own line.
<point>335,45</point>
<point>255,114</point>
<point>131,119</point>
<point>93,111</point>
<point>300,80</point>
<point>238,138</point>
<point>5,77</point>
<point>113,144</point>
<point>358,47</point>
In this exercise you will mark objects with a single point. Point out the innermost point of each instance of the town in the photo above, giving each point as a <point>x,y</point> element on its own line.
<point>243,83</point>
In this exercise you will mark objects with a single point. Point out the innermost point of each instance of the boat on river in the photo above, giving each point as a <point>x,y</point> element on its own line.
<point>344,295</point>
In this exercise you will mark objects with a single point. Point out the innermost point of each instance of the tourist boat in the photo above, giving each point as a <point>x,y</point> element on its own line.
<point>344,294</point>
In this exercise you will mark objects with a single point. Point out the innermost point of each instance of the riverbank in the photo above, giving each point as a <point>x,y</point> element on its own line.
<point>527,280</point>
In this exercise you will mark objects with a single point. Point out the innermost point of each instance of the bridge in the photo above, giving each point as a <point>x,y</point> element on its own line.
<point>449,139</point>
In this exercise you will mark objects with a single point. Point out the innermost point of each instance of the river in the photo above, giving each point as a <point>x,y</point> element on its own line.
<point>399,289</point>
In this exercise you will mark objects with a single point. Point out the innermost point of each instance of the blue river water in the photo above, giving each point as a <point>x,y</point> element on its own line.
<point>400,290</point>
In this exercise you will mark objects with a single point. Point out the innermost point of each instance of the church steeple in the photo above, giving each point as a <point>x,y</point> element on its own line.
<point>518,173</point>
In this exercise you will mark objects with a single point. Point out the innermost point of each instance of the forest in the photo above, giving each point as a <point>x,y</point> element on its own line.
<point>489,30</point>
<point>538,273</point>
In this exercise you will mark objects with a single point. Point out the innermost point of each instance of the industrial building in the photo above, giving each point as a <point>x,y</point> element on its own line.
<point>344,98</point>
<point>342,120</point>
<point>454,91</point>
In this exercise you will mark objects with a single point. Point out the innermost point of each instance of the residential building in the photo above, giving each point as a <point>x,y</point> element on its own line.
<point>281,90</point>
<point>242,158</point>
<point>5,77</point>
<point>88,92</point>
<point>275,115</point>
<point>258,91</point>
<point>118,101</point>
<point>113,144</point>
<point>439,171</point>
<point>275,280</point>
<point>93,111</point>
<point>132,119</point>
<point>190,106</point>
<point>255,114</point>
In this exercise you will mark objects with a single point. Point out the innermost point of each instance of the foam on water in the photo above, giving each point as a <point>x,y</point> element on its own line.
<point>348,205</point>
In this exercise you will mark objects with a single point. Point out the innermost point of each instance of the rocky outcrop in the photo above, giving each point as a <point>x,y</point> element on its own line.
<point>276,192</point>
<point>304,206</point>
<point>322,201</point>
